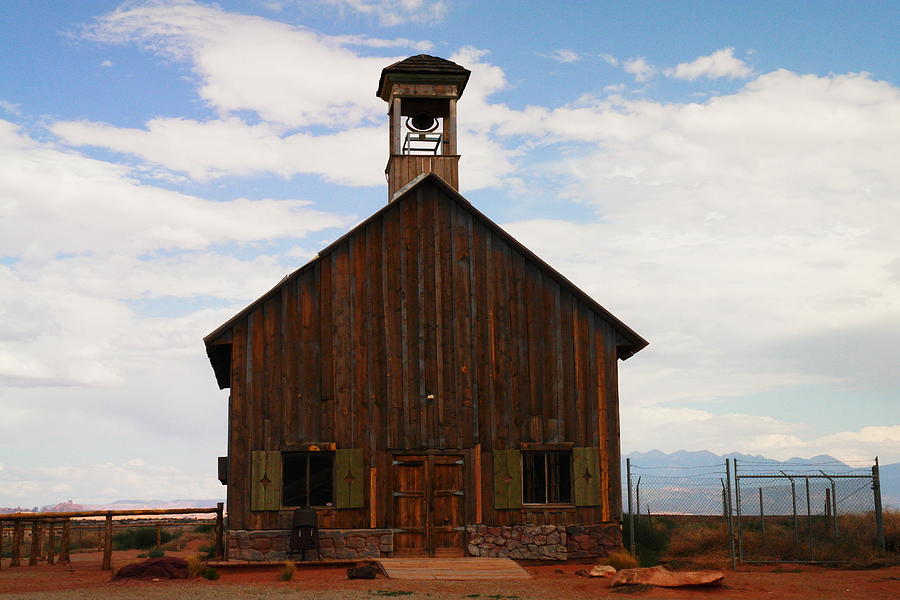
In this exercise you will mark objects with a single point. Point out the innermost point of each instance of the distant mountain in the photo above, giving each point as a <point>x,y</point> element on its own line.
<point>685,462</point>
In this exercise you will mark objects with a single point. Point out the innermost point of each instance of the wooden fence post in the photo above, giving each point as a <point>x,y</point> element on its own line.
<point>107,545</point>
<point>64,544</point>
<point>220,531</point>
<point>36,535</point>
<point>1,545</point>
<point>18,536</point>
<point>51,533</point>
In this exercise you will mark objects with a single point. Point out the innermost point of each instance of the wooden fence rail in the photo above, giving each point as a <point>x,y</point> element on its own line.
<point>45,547</point>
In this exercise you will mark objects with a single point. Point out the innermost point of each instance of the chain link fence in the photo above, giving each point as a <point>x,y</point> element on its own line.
<point>753,511</point>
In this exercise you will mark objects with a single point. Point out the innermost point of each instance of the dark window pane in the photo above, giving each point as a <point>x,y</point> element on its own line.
<point>321,467</point>
<point>307,478</point>
<point>294,474</point>
<point>559,469</point>
<point>534,478</point>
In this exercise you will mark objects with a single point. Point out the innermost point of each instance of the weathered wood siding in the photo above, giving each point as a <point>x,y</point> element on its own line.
<point>424,300</point>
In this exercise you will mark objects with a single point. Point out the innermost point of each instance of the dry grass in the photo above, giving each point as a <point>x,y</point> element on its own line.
<point>195,566</point>
<point>621,559</point>
<point>287,571</point>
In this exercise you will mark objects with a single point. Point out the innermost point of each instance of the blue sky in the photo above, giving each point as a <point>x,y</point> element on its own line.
<point>721,175</point>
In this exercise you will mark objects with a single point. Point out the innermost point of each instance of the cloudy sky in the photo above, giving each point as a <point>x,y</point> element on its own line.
<point>724,177</point>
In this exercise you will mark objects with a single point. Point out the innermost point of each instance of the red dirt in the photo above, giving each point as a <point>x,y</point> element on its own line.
<point>788,582</point>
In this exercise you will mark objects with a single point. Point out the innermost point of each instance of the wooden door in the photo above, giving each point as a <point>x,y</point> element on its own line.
<point>428,505</point>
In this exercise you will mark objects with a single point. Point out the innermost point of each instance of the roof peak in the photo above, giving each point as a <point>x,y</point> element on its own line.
<point>424,65</point>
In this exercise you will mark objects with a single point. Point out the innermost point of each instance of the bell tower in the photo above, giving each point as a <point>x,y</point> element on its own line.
<point>421,92</point>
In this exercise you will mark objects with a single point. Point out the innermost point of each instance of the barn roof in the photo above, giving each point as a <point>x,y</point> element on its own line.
<point>634,342</point>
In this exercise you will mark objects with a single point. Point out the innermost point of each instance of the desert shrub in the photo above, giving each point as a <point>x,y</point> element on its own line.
<point>210,573</point>
<point>287,571</point>
<point>621,559</point>
<point>195,565</point>
<point>204,528</point>
<point>651,538</point>
<point>208,550</point>
<point>156,553</point>
<point>891,521</point>
<point>695,538</point>
<point>141,538</point>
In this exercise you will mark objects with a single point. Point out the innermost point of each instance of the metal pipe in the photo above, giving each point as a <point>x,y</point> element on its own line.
<point>762,518</point>
<point>728,520</point>
<point>876,490</point>
<point>809,520</point>
<point>737,498</point>
<point>630,508</point>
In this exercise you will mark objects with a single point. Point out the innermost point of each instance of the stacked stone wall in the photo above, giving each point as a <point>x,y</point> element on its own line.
<point>272,545</point>
<point>543,542</point>
<point>528,542</point>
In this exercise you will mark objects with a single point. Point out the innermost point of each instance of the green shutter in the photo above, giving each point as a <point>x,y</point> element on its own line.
<point>587,476</point>
<point>265,488</point>
<point>349,478</point>
<point>507,479</point>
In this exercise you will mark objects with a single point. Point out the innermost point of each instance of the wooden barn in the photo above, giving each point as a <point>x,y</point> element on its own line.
<point>426,383</point>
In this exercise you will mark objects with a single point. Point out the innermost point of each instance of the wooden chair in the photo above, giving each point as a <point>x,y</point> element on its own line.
<point>304,533</point>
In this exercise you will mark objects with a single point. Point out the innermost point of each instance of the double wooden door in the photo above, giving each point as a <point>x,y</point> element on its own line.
<point>428,507</point>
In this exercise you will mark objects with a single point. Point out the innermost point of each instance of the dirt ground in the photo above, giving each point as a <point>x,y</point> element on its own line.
<point>84,579</point>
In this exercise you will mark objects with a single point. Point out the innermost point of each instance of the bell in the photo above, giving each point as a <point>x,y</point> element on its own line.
<point>422,122</point>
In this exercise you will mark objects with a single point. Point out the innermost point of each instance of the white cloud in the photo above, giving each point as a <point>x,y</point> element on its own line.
<point>396,12</point>
<point>88,238</point>
<point>286,74</point>
<point>640,68</point>
<point>721,63</point>
<point>106,63</point>
<point>563,55</point>
<point>104,482</point>
<point>11,108</point>
<point>206,150</point>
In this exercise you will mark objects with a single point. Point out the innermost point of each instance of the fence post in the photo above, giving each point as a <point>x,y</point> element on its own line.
<point>51,533</point>
<point>762,518</point>
<point>637,493</point>
<point>630,507</point>
<point>794,508</point>
<point>876,490</point>
<point>18,537</point>
<point>728,521</point>
<point>35,543</point>
<point>737,499</point>
<point>834,513</point>
<point>809,520</point>
<point>107,544</point>
<point>1,545</point>
<point>220,531</point>
<point>64,544</point>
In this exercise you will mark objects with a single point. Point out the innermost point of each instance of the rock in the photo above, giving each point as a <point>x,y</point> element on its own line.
<point>662,577</point>
<point>167,567</point>
<point>362,572</point>
<point>474,550</point>
<point>602,571</point>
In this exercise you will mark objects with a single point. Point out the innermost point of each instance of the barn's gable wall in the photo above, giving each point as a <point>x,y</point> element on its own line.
<point>423,329</point>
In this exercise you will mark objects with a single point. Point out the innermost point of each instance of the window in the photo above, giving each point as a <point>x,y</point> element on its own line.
<point>547,477</point>
<point>308,478</point>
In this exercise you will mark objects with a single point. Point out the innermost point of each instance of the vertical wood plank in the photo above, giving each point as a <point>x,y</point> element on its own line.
<point>326,406</point>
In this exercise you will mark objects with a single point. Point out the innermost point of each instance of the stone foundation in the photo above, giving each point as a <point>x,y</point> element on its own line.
<point>272,544</point>
<point>586,541</point>
<point>530,542</point>
<point>543,542</point>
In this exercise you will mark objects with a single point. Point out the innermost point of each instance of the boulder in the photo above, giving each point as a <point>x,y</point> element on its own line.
<point>602,571</point>
<point>362,572</point>
<point>662,577</point>
<point>166,567</point>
